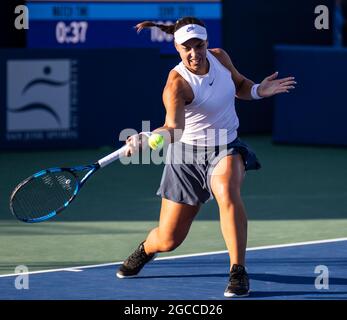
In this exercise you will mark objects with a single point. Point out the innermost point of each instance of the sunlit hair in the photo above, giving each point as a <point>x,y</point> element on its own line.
<point>171,28</point>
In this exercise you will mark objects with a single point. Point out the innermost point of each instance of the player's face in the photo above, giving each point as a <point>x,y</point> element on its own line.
<point>193,55</point>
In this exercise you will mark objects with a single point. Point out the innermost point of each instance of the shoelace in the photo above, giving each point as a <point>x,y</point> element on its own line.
<point>136,258</point>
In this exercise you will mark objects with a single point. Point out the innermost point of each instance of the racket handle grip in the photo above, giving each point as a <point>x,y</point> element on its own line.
<point>112,156</point>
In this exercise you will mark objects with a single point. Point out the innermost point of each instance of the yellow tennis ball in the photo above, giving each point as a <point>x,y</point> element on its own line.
<point>156,141</point>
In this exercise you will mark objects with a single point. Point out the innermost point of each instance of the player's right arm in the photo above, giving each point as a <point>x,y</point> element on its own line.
<point>176,95</point>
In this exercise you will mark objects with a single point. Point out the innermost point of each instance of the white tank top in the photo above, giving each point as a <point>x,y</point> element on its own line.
<point>210,119</point>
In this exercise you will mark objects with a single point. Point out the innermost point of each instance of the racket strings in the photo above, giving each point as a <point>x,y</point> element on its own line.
<point>44,194</point>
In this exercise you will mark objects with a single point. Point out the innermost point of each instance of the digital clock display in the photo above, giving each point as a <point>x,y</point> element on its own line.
<point>71,32</point>
<point>111,24</point>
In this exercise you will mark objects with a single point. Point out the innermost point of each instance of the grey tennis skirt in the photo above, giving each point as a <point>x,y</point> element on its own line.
<point>187,172</point>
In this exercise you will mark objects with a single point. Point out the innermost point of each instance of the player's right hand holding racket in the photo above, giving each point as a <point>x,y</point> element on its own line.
<point>142,140</point>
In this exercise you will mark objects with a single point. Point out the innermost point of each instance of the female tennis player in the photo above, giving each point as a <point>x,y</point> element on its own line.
<point>206,159</point>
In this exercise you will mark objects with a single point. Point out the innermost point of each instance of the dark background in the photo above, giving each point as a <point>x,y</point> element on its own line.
<point>251,29</point>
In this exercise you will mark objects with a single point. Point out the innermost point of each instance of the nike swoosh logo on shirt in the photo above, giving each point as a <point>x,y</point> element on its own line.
<point>211,83</point>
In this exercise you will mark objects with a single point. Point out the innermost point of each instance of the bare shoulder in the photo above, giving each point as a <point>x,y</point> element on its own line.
<point>225,60</point>
<point>222,57</point>
<point>176,81</point>
<point>177,85</point>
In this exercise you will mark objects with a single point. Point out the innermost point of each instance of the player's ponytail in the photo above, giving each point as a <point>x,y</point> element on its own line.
<point>169,28</point>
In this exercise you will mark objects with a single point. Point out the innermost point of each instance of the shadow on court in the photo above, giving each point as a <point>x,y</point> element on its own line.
<point>321,295</point>
<point>293,279</point>
<point>198,278</point>
<point>286,279</point>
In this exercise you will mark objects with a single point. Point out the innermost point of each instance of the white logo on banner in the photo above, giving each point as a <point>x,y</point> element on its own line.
<point>38,95</point>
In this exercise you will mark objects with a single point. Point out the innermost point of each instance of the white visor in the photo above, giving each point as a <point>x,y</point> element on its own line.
<point>190,31</point>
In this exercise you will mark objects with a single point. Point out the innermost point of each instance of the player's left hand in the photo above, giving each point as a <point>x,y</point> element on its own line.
<point>271,85</point>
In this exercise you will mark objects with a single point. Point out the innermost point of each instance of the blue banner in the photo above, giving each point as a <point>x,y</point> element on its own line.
<point>315,112</point>
<point>106,34</point>
<point>111,25</point>
<point>123,11</point>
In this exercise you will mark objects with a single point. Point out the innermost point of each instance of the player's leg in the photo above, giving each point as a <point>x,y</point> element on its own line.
<point>174,224</point>
<point>226,181</point>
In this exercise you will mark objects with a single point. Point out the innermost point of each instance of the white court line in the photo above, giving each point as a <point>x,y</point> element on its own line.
<point>72,270</point>
<point>77,269</point>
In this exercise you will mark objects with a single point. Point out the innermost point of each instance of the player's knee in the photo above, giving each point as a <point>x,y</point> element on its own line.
<point>232,202</point>
<point>231,190</point>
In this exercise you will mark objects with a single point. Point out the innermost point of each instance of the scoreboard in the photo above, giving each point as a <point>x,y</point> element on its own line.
<point>110,24</point>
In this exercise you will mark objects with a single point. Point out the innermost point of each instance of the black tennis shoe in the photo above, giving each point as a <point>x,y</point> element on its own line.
<point>134,263</point>
<point>238,285</point>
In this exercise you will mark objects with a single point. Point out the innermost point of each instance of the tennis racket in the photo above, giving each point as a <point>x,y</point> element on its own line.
<point>48,192</point>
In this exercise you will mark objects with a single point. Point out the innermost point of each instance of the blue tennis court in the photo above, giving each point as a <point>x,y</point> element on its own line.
<point>284,272</point>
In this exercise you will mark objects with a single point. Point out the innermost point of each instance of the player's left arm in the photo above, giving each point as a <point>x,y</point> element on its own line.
<point>267,88</point>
